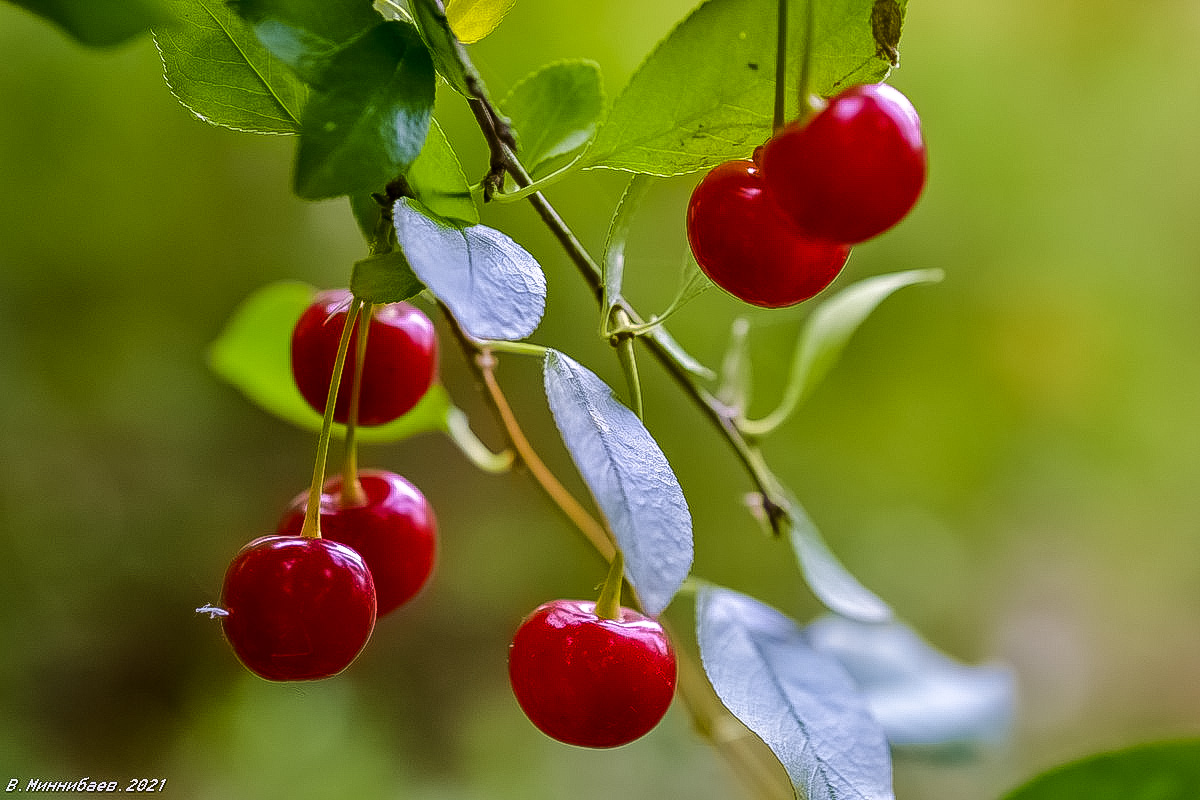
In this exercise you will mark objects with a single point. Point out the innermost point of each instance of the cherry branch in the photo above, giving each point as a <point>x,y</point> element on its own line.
<point>774,500</point>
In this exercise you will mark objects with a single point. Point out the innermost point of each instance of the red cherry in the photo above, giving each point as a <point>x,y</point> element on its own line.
<point>394,531</point>
<point>298,608</point>
<point>401,360</point>
<point>589,681</point>
<point>852,171</point>
<point>746,245</point>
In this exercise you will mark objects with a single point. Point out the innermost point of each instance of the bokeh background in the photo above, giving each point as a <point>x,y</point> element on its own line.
<point>1011,458</point>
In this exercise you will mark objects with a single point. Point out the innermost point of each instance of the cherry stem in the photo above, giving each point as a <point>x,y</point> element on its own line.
<point>352,491</point>
<point>781,66</point>
<point>805,106</point>
<point>608,606</point>
<point>312,512</point>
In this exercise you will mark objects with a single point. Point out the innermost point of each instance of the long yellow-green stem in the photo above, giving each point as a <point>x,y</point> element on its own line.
<point>312,512</point>
<point>352,491</point>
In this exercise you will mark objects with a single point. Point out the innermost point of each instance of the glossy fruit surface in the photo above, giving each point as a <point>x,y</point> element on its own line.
<point>401,360</point>
<point>298,608</point>
<point>853,170</point>
<point>394,531</point>
<point>745,244</point>
<point>589,681</point>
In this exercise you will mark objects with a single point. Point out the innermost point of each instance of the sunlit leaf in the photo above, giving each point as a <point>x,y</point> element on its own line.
<point>219,70</point>
<point>706,93</point>
<point>1158,771</point>
<point>555,111</point>
<point>800,702</point>
<point>253,354</point>
<point>628,475</point>
<point>492,285</point>
<point>923,699</point>
<point>472,20</point>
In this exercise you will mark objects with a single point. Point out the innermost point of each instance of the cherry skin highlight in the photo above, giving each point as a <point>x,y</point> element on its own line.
<point>589,681</point>
<point>401,359</point>
<point>853,170</point>
<point>746,245</point>
<point>298,608</point>
<point>394,531</point>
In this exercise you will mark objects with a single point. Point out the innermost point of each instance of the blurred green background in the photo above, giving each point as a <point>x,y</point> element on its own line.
<point>1011,458</point>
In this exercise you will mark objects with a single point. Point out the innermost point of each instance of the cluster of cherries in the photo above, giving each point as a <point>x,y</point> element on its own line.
<point>776,230</point>
<point>302,607</point>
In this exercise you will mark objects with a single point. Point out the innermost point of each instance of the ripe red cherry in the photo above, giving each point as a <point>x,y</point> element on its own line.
<point>853,170</point>
<point>298,608</point>
<point>401,360</point>
<point>394,531</point>
<point>589,681</point>
<point>746,245</point>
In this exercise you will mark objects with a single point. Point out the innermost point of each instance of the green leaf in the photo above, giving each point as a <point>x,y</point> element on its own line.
<point>101,23</point>
<point>438,180</point>
<point>924,700</point>
<point>472,20</point>
<point>492,285</point>
<point>1156,771</point>
<point>305,34</point>
<point>366,121</point>
<point>825,334</point>
<point>829,580</point>
<point>628,475</point>
<point>385,278</point>
<point>555,112</point>
<point>253,354</point>
<point>435,30</point>
<point>800,702</point>
<point>219,70</point>
<point>705,95</point>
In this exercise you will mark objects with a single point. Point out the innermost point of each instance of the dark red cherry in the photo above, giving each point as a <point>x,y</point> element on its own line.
<point>401,359</point>
<point>853,170</point>
<point>588,681</point>
<point>297,608</point>
<point>745,244</point>
<point>394,530</point>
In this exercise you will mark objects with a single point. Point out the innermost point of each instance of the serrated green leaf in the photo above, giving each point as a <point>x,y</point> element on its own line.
<point>555,112</point>
<point>101,23</point>
<point>306,33</point>
<point>368,119</point>
<point>800,702</point>
<point>385,278</point>
<point>1156,771</point>
<point>705,95</point>
<point>492,285</point>
<point>219,70</point>
<point>628,475</point>
<point>472,20</point>
<point>435,30</point>
<point>438,180</point>
<point>253,354</point>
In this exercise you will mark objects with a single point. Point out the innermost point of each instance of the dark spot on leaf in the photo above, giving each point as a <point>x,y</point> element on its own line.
<point>886,20</point>
<point>753,66</point>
